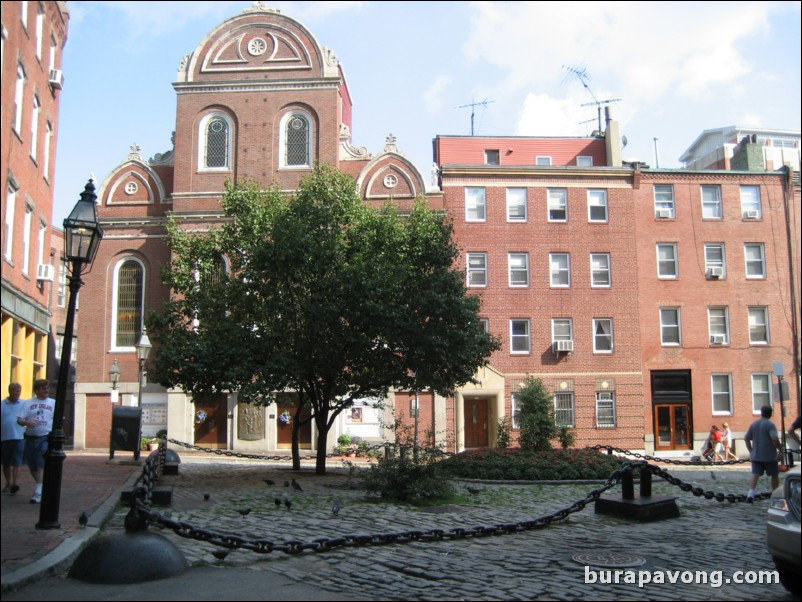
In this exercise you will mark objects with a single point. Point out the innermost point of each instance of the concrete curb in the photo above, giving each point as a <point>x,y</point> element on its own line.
<point>59,559</point>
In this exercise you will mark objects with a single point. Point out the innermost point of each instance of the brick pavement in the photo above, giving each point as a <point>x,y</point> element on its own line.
<point>524,566</point>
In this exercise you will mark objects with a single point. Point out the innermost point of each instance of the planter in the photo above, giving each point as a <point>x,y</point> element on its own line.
<point>153,446</point>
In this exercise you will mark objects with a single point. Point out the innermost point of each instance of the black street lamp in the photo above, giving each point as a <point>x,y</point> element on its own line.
<point>82,235</point>
<point>114,375</point>
<point>142,352</point>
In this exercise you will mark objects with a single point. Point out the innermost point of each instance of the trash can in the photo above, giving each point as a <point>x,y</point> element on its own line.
<point>126,423</point>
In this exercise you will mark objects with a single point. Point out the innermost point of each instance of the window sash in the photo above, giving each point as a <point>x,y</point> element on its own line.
<point>667,260</point>
<point>600,269</point>
<point>750,200</point>
<point>561,329</point>
<point>597,205</point>
<point>558,205</point>
<point>711,202</point>
<point>721,389</point>
<point>516,204</point>
<point>670,326</point>
<point>758,325</point>
<point>755,259</point>
<point>475,204</point>
<point>477,269</point>
<point>519,336</point>
<point>714,255</point>
<point>564,409</point>
<point>519,269</point>
<point>560,270</point>
<point>603,335</point>
<point>761,392</point>
<point>717,322</point>
<point>217,143</point>
<point>664,198</point>
<point>130,284</point>
<point>605,411</point>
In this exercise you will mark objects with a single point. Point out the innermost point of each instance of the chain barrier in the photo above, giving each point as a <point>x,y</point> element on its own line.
<point>699,462</point>
<point>141,507</point>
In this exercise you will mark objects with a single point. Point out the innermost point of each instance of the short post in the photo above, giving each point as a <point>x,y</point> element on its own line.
<point>645,483</point>
<point>627,486</point>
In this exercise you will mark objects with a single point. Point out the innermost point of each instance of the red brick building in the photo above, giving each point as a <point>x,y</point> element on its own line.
<point>33,38</point>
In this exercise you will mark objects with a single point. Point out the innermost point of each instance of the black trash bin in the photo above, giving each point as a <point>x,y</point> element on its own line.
<point>125,429</point>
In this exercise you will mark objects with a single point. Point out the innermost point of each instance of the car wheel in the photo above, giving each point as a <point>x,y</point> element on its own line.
<point>789,576</point>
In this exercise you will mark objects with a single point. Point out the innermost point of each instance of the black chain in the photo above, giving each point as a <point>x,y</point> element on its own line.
<point>323,544</point>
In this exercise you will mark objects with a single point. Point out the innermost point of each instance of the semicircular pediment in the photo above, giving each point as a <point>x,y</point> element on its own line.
<point>261,47</point>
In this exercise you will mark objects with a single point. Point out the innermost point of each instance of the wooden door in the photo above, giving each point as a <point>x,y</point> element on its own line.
<point>672,426</point>
<point>211,420</point>
<point>286,404</point>
<point>476,422</point>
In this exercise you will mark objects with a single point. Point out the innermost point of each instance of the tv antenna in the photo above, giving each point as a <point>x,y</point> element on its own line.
<point>583,76</point>
<point>473,106</point>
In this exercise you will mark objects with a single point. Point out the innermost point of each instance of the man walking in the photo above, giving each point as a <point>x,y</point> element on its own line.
<point>37,417</point>
<point>763,444</point>
<point>12,437</point>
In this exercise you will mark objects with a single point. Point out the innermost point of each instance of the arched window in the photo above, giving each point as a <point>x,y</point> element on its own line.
<point>129,293</point>
<point>214,152</point>
<point>297,137</point>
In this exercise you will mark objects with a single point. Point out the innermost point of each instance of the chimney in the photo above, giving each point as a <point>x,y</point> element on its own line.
<point>612,140</point>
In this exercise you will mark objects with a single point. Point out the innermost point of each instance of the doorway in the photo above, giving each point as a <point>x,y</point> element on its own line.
<point>475,417</point>
<point>672,426</point>
<point>211,420</point>
<point>286,406</point>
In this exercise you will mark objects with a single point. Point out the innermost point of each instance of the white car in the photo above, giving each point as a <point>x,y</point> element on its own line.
<point>783,530</point>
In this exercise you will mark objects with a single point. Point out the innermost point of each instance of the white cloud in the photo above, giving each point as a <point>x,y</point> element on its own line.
<point>433,97</point>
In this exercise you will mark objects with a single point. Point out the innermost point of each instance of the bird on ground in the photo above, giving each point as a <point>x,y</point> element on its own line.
<point>83,519</point>
<point>335,507</point>
<point>244,512</point>
<point>206,497</point>
<point>221,554</point>
<point>269,481</point>
<point>286,483</point>
<point>277,501</point>
<point>474,490</point>
<point>288,503</point>
<point>712,475</point>
<point>296,485</point>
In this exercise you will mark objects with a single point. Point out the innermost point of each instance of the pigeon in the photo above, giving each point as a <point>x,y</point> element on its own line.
<point>288,503</point>
<point>83,519</point>
<point>206,497</point>
<point>244,512</point>
<point>221,554</point>
<point>335,507</point>
<point>278,502</point>
<point>474,490</point>
<point>712,475</point>
<point>269,481</point>
<point>286,483</point>
<point>296,485</point>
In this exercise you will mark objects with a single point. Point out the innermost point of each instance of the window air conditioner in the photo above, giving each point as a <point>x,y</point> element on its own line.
<point>604,396</point>
<point>563,346</point>
<point>715,272</point>
<point>45,271</point>
<point>751,214</point>
<point>718,339</point>
<point>664,213</point>
<point>56,79</point>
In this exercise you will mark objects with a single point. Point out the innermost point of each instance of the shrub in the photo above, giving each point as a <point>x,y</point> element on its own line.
<point>407,479</point>
<point>536,416</point>
<point>566,437</point>
<point>503,437</point>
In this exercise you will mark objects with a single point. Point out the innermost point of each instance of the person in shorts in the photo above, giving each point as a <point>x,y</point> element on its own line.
<point>37,418</point>
<point>12,437</point>
<point>763,444</point>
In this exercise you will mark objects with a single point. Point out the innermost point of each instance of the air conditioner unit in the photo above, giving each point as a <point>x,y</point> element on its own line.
<point>604,396</point>
<point>715,272</point>
<point>45,271</point>
<point>718,339</point>
<point>56,79</point>
<point>751,214</point>
<point>563,346</point>
<point>664,213</point>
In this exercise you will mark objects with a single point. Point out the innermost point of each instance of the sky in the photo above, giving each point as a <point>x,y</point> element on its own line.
<point>670,69</point>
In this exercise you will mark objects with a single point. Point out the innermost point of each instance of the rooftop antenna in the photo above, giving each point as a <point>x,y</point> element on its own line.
<point>473,105</point>
<point>583,76</point>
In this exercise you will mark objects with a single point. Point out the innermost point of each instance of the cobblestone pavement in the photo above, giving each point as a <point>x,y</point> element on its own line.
<point>714,538</point>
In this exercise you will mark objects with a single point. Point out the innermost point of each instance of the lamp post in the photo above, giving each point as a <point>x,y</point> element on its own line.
<point>142,352</point>
<point>82,235</point>
<point>114,376</point>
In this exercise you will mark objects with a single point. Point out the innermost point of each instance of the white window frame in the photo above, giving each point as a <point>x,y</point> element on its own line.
<point>665,262</point>
<point>584,161</point>
<point>518,264</point>
<point>19,98</point>
<point>597,198</point>
<point>492,153</point>
<point>603,271</point>
<point>516,207</point>
<point>717,393</point>
<point>475,204</point>
<point>52,57</point>
<point>762,312</point>
<point>203,131</point>
<point>40,24</point>
<point>608,404</point>
<point>471,271</point>
<point>114,299</point>
<point>24,13</point>
<point>676,324</point>
<point>761,261</point>
<point>561,400</point>
<point>750,201</point>
<point>559,272</point>
<point>761,396</point>
<point>8,233</point>
<point>61,291</point>
<point>283,139</point>
<point>711,202</point>
<point>26,239</point>
<point>36,111</point>
<point>718,323</point>
<point>600,322</point>
<point>557,201</point>
<point>520,336</point>
<point>41,244</point>
<point>713,262</point>
<point>485,322</point>
<point>515,412</point>
<point>48,143</point>
<point>664,200</point>
<point>561,324</point>
<point>543,161</point>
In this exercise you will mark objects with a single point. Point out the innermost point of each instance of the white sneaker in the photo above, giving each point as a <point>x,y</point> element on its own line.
<point>36,499</point>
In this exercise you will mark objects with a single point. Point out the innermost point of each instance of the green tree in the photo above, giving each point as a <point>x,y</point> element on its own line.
<point>536,416</point>
<point>323,296</point>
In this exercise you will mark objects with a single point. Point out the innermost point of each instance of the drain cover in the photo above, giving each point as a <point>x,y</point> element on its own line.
<point>609,559</point>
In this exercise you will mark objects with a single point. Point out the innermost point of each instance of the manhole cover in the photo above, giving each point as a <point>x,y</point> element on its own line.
<point>610,559</point>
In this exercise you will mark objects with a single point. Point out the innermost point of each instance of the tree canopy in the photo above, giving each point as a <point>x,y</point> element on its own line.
<point>321,295</point>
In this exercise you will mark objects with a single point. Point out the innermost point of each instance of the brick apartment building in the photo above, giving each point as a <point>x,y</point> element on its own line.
<point>561,240</point>
<point>33,38</point>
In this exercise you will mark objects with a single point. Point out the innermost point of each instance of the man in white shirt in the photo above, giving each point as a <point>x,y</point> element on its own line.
<point>37,418</point>
<point>12,437</point>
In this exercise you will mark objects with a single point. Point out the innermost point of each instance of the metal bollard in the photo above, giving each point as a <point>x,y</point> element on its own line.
<point>645,483</point>
<point>627,486</point>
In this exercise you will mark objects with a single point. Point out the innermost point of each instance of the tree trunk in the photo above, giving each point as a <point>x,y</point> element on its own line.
<point>321,421</point>
<point>296,447</point>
